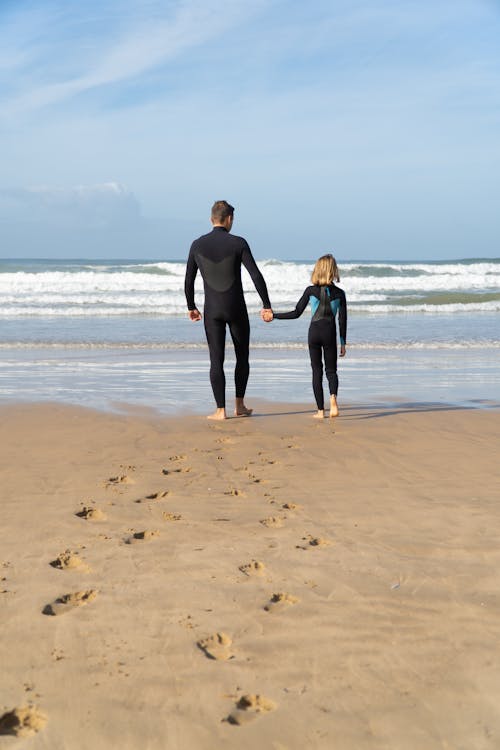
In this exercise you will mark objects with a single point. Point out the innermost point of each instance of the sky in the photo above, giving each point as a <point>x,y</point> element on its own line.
<point>367,128</point>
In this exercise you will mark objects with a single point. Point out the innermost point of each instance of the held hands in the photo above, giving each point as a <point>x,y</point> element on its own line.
<point>266,314</point>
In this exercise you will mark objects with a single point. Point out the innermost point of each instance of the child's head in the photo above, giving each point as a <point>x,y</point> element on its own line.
<point>325,271</point>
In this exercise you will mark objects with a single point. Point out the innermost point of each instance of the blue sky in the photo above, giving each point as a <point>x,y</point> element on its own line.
<point>370,128</point>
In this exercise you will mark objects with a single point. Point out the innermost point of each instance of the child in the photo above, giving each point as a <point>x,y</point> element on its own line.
<point>326,301</point>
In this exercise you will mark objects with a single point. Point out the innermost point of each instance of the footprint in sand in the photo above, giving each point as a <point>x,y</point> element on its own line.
<point>288,440</point>
<point>121,479</point>
<point>3,580</point>
<point>272,522</point>
<point>291,506</point>
<point>265,460</point>
<point>254,568</point>
<point>22,722</point>
<point>184,470</point>
<point>313,541</point>
<point>172,516</point>
<point>235,492</point>
<point>154,496</point>
<point>177,458</point>
<point>142,536</point>
<point>69,560</point>
<point>217,646</point>
<point>249,707</point>
<point>255,480</point>
<point>68,602</point>
<point>90,513</point>
<point>280,601</point>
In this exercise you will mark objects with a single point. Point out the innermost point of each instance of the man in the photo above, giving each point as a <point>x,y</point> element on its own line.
<point>219,256</point>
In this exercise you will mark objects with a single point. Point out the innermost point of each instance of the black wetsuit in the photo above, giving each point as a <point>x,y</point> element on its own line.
<point>219,256</point>
<point>326,302</point>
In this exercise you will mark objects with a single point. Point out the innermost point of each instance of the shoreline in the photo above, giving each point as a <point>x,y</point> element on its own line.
<point>166,380</point>
<point>369,621</point>
<point>261,409</point>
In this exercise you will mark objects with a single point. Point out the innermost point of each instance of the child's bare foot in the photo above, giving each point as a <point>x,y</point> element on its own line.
<point>218,414</point>
<point>240,410</point>
<point>334,409</point>
<point>320,414</point>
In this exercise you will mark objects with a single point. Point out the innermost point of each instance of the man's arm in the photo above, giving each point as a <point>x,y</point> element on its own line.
<point>191,271</point>
<point>249,262</point>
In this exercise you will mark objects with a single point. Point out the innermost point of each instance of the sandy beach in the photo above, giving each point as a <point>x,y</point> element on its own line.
<point>274,582</point>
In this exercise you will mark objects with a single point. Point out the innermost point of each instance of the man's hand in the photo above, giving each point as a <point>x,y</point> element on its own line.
<point>342,350</point>
<point>266,314</point>
<point>194,315</point>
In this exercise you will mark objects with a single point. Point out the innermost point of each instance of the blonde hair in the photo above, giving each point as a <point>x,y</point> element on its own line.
<point>325,271</point>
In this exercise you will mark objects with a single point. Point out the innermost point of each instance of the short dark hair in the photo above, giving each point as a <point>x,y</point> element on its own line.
<point>221,210</point>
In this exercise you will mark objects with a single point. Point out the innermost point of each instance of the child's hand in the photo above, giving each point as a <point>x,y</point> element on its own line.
<point>342,350</point>
<point>267,315</point>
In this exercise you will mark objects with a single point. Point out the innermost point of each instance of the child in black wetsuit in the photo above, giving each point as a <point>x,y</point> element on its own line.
<point>326,301</point>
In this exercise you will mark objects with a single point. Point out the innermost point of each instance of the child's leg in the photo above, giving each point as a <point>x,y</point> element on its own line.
<point>330,354</point>
<point>317,370</point>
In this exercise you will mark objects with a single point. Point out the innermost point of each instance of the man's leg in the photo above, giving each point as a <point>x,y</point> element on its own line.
<point>215,330</point>
<point>240,333</point>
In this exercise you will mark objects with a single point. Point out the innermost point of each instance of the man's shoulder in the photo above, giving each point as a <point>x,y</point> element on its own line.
<point>220,237</point>
<point>237,238</point>
<point>202,238</point>
<point>235,241</point>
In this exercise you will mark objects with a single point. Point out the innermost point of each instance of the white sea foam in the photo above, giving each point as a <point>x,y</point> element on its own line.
<point>455,307</point>
<point>256,346</point>
<point>148,308</point>
<point>122,289</point>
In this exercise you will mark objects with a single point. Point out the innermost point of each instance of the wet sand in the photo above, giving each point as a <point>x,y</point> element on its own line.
<point>273,582</point>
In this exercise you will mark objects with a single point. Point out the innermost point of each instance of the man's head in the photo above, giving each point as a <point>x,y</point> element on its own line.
<point>222,214</point>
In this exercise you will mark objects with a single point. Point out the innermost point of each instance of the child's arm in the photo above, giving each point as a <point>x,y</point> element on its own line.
<point>342,322</point>
<point>299,308</point>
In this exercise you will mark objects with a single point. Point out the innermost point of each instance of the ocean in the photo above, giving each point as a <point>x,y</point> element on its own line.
<point>114,334</point>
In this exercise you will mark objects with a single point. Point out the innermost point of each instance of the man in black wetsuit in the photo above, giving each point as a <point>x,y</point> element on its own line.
<point>219,256</point>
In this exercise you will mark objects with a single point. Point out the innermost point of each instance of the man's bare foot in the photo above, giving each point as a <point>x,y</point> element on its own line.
<point>218,415</point>
<point>320,414</point>
<point>334,409</point>
<point>240,410</point>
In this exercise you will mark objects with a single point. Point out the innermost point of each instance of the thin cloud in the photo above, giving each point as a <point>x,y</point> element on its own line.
<point>373,113</point>
<point>149,44</point>
<point>106,204</point>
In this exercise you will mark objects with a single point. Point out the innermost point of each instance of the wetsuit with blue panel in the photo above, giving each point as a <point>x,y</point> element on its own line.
<point>327,302</point>
<point>219,256</point>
